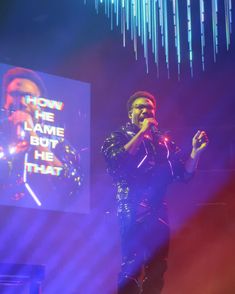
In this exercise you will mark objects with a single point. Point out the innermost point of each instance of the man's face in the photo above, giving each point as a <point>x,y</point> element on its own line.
<point>141,108</point>
<point>17,89</point>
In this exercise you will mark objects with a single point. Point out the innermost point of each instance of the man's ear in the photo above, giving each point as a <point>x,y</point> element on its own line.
<point>130,114</point>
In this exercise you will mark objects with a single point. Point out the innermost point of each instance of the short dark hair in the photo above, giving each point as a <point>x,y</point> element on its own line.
<point>140,94</point>
<point>22,73</point>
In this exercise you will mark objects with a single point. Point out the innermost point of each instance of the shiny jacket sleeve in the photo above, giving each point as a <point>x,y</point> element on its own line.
<point>178,164</point>
<point>116,157</point>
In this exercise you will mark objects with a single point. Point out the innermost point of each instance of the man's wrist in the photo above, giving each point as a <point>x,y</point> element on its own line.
<point>194,154</point>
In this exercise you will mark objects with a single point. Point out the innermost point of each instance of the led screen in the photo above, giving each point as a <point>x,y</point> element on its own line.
<point>44,141</point>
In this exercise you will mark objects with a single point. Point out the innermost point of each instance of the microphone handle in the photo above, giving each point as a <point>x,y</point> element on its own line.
<point>155,131</point>
<point>20,133</point>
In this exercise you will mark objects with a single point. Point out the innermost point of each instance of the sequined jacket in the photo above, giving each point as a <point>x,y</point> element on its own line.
<point>142,180</point>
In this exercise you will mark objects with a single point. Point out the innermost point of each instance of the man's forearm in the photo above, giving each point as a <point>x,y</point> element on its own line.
<point>133,145</point>
<point>192,162</point>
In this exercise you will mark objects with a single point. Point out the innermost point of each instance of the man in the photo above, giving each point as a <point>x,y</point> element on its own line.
<point>143,162</point>
<point>18,119</point>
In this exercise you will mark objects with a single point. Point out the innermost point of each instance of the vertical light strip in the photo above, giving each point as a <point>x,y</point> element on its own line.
<point>214,7</point>
<point>111,14</point>
<point>155,34</point>
<point>177,33</point>
<point>108,8</point>
<point>25,172</point>
<point>142,20</point>
<point>97,5</point>
<point>145,37</point>
<point>132,11</point>
<point>123,23</point>
<point>230,14</point>
<point>138,16</point>
<point>161,21</point>
<point>190,45</point>
<point>117,12</point>
<point>134,25</point>
<point>228,21</point>
<point>153,24</point>
<point>166,43</point>
<point>149,18</point>
<point>127,14</point>
<point>202,30</point>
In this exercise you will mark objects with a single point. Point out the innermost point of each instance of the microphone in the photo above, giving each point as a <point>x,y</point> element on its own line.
<point>19,128</point>
<point>156,134</point>
<point>20,132</point>
<point>154,130</point>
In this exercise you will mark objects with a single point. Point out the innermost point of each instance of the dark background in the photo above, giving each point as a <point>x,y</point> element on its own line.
<point>81,252</point>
